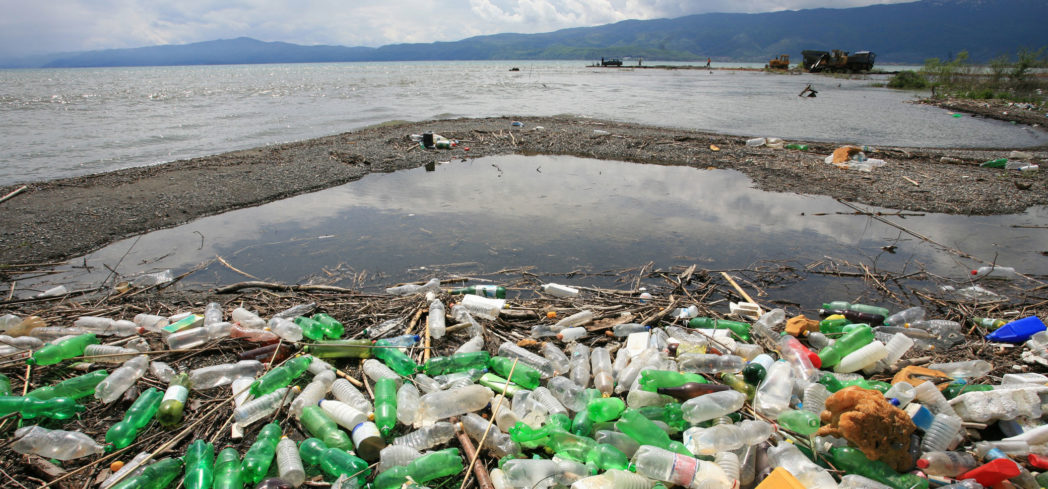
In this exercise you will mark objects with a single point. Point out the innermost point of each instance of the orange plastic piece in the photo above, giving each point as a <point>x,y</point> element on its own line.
<point>551,315</point>
<point>780,478</point>
<point>798,326</point>
<point>915,376</point>
<point>844,153</point>
<point>115,466</point>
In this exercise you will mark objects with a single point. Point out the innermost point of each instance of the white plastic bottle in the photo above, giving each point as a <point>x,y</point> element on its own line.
<point>864,357</point>
<point>151,322</point>
<point>558,290</point>
<point>964,369</point>
<point>568,335</point>
<point>995,272</point>
<point>556,357</point>
<point>941,433</point>
<point>475,343</point>
<point>289,462</point>
<point>344,414</point>
<point>344,391</point>
<point>105,326</point>
<point>543,399</point>
<point>433,285</point>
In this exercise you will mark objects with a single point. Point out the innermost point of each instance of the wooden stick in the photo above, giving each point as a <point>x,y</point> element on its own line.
<point>742,292</point>
<point>12,194</point>
<point>914,182</point>
<point>282,287</point>
<point>235,269</point>
<point>479,471</point>
<point>498,405</point>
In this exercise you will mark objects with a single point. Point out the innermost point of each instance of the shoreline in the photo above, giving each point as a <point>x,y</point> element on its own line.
<point>60,219</point>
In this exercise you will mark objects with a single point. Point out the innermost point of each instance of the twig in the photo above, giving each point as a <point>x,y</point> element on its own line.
<point>12,194</point>
<point>914,182</point>
<point>235,269</point>
<point>282,287</point>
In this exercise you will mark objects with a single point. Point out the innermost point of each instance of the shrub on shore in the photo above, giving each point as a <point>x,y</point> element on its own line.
<point>908,80</point>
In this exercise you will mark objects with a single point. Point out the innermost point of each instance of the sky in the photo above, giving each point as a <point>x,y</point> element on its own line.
<point>50,26</point>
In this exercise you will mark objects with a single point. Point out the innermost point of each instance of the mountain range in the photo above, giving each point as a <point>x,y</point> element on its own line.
<point>906,33</point>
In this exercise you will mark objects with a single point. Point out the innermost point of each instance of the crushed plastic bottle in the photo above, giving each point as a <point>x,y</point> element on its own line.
<point>56,444</point>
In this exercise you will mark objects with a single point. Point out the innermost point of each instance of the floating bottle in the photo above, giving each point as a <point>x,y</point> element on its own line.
<point>289,463</point>
<point>74,388</point>
<point>158,475</point>
<point>427,437</point>
<point>223,374</point>
<point>507,349</point>
<point>456,363</point>
<point>227,470</point>
<point>739,329</point>
<point>659,464</point>
<point>260,455</point>
<point>905,316</point>
<point>53,353</point>
<point>200,465</point>
<point>523,375</point>
<point>173,404</point>
<point>333,461</point>
<point>118,382</point>
<point>331,327</point>
<point>136,417</point>
<point>433,285</point>
<point>280,376</point>
<point>56,444</point>
<point>844,305</point>
<point>996,272</point>
<point>494,291</point>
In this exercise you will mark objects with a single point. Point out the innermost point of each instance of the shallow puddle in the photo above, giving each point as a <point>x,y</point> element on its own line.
<point>559,215</point>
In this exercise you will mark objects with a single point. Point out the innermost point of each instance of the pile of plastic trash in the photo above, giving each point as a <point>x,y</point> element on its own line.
<point>1016,160</point>
<point>760,400</point>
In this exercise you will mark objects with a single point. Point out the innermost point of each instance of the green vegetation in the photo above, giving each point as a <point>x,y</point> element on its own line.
<point>1002,78</point>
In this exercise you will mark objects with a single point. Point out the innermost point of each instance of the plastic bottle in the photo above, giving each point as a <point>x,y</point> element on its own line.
<point>200,465</point>
<point>376,370</point>
<point>368,441</point>
<point>558,290</point>
<point>568,335</point>
<point>897,346</point>
<point>289,463</point>
<point>710,364</point>
<point>567,392</point>
<point>989,323</point>
<point>106,326</point>
<point>600,363</point>
<point>344,391</point>
<point>623,330</point>
<point>286,329</point>
<point>421,470</point>
<point>949,464</point>
<point>523,375</point>
<point>540,474</point>
<point>160,474</point>
<point>541,398</point>
<point>803,422</point>
<point>132,467</point>
<point>280,376</point>
<point>475,343</point>
<point>433,285</point>
<point>56,444</point>
<point>496,291</point>
<point>861,358</point>
<point>926,393</point>
<point>1018,331</point>
<point>436,319</point>
<point>853,461</point>
<point>151,322</point>
<point>345,415</point>
<point>194,337</point>
<point>247,319</point>
<point>460,379</point>
<point>396,455</point>
<point>774,392</point>
<point>173,404</point>
<point>904,316</point>
<point>313,392</point>
<point>113,386</point>
<point>270,354</point>
<point>260,455</point>
<point>645,432</point>
<point>852,340</point>
<point>739,329</point>
<point>713,405</point>
<point>109,353</point>
<point>394,358</point>
<point>223,374</point>
<point>578,319</point>
<point>135,418</point>
<point>815,397</point>
<point>500,444</point>
<point>789,457</point>
<point>754,143</point>
<point>427,437</point>
<point>580,365</point>
<point>53,353</point>
<point>319,424</point>
<point>526,357</point>
<point>74,388</point>
<point>560,362</point>
<point>408,399</point>
<point>457,363</point>
<point>659,464</point>
<point>227,470</point>
<point>725,437</point>
<point>940,435</point>
<point>29,408</point>
<point>385,405</point>
<point>331,327</point>
<point>964,369</point>
<point>995,272</point>
<point>334,462</point>
<point>444,404</point>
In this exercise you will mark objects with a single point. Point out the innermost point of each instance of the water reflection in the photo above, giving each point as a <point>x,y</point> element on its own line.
<point>558,214</point>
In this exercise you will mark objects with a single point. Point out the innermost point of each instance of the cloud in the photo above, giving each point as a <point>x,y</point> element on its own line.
<point>76,25</point>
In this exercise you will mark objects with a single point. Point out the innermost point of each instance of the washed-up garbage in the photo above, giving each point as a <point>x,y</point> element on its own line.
<point>679,393</point>
<point>854,158</point>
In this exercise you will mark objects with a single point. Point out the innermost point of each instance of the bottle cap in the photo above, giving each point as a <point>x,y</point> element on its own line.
<point>923,463</point>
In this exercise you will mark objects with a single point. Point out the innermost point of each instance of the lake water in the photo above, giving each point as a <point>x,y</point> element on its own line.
<point>60,123</point>
<point>559,214</point>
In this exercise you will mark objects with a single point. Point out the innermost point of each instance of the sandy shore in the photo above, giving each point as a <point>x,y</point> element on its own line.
<point>64,218</point>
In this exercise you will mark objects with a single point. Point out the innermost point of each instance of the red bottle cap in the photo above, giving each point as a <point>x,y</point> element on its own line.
<point>923,463</point>
<point>975,272</point>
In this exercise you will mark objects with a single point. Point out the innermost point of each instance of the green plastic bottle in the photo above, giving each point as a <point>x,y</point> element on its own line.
<point>311,328</point>
<point>53,353</point>
<point>136,417</point>
<point>340,349</point>
<point>173,405</point>
<point>493,291</point>
<point>421,470</point>
<point>569,445</point>
<point>319,424</point>
<point>852,340</point>
<point>200,465</point>
<point>259,457</point>
<point>847,306</point>
<point>394,358</point>
<point>523,433</point>
<point>280,376</point>
<point>800,147</point>
<point>998,163</point>
<point>333,461</point>
<point>803,422</point>
<point>833,325</point>
<point>739,329</point>
<point>329,325</point>
<point>605,409</point>
<point>738,383</point>
<point>607,457</point>
<point>227,470</point>
<point>954,390</point>
<point>156,476</point>
<point>646,432</point>
<point>385,405</point>
<point>581,424</point>
<point>523,375</point>
<point>670,413</point>
<point>852,461</point>
<point>989,324</point>
<point>75,388</point>
<point>651,380</point>
<point>29,408</point>
<point>5,385</point>
<point>456,363</point>
<point>498,384</point>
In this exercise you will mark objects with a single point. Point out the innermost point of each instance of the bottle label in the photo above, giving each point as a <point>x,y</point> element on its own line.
<point>487,290</point>
<point>684,469</point>
<point>176,392</point>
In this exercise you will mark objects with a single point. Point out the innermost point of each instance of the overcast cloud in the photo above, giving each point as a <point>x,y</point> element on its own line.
<point>75,25</point>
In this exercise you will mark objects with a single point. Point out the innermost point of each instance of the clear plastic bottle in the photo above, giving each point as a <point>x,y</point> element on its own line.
<point>289,463</point>
<point>729,463</point>
<point>212,313</point>
<point>118,382</point>
<point>433,285</point>
<point>376,370</point>
<point>105,326</point>
<point>725,437</point>
<point>132,468</point>
<point>313,392</point>
<point>815,396</point>
<point>505,418</point>
<point>558,290</point>
<point>247,319</point>
<point>426,383</point>
<point>541,474</point>
<point>568,335</point>
<point>526,357</point>
<point>542,398</point>
<point>856,481</point>
<point>408,399</point>
<point>901,391</point>
<point>966,369</point>
<point>318,366</point>
<point>345,415</point>
<point>261,407</point>
<point>765,326</point>
<point>578,319</point>
<point>637,399</point>
<point>996,272</point>
<point>556,357</point>
<point>713,405</point>
<point>580,365</point>
<point>444,404</point>
<point>500,444</point>
<point>897,346</point>
<point>396,455</point>
<point>710,364</point>
<point>437,325</point>
<point>151,322</point>
<point>789,457</point>
<point>774,392</point>
<point>940,435</point>
<point>864,357</point>
<point>627,376</point>
<point>904,316</point>
<point>428,437</point>
<point>162,371</point>
<point>928,394</point>
<point>600,363</point>
<point>344,391</point>
<point>109,353</point>
<point>949,464</point>
<point>223,374</point>
<point>296,310</point>
<point>475,343</point>
<point>482,307</point>
<point>617,439</point>
<point>286,328</point>
<point>997,404</point>
<point>567,392</point>
<point>663,465</point>
<point>57,444</point>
